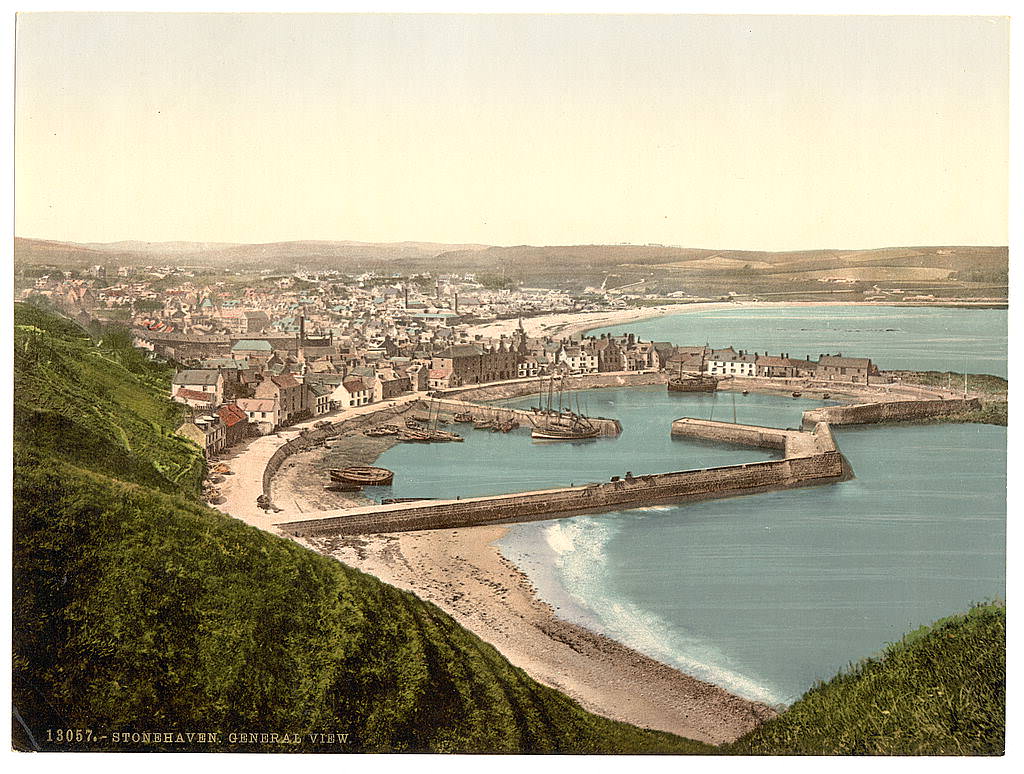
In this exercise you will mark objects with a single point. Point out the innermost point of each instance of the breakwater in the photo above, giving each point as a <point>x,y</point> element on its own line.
<point>895,411</point>
<point>820,463</point>
<point>792,442</point>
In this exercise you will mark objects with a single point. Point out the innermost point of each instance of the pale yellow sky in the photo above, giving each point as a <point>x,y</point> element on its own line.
<point>704,131</point>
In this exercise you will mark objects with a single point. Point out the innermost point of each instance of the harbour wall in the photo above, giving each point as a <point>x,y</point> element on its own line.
<point>895,411</point>
<point>793,443</point>
<point>637,491</point>
<point>604,425</point>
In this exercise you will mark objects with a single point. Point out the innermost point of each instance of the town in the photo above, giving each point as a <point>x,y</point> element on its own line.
<point>255,359</point>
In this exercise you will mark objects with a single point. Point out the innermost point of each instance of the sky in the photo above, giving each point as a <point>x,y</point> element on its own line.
<point>741,132</point>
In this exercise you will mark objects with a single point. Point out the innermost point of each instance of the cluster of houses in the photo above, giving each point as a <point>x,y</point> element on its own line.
<point>236,386</point>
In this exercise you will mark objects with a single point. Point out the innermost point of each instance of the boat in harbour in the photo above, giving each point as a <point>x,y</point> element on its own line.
<point>690,382</point>
<point>363,475</point>
<point>561,424</point>
<point>382,430</point>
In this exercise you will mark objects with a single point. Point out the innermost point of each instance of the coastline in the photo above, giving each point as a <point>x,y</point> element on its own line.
<point>464,573</point>
<point>571,324</point>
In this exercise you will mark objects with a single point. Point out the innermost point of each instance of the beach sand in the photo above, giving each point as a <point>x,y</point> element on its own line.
<point>462,572</point>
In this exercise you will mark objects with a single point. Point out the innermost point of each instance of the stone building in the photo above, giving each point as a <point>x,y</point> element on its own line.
<point>836,368</point>
<point>290,394</point>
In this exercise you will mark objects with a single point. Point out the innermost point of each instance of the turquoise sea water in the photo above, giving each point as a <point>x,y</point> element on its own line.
<point>764,594</point>
<point>917,338</point>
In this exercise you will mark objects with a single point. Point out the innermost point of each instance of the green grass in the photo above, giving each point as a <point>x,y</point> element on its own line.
<point>139,609</point>
<point>986,384</point>
<point>103,407</point>
<point>941,690</point>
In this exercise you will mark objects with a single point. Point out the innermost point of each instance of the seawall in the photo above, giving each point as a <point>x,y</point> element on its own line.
<point>895,411</point>
<point>637,491</point>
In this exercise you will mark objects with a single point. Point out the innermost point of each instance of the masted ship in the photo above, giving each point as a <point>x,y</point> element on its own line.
<point>561,424</point>
<point>698,382</point>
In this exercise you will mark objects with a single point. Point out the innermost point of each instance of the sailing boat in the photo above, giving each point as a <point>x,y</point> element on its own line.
<point>562,424</point>
<point>699,382</point>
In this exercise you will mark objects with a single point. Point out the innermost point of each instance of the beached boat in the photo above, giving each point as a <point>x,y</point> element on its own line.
<point>414,436</point>
<point>464,417</point>
<point>339,487</point>
<point>797,394</point>
<point>395,500</point>
<point>412,424</point>
<point>364,475</point>
<point>382,430</point>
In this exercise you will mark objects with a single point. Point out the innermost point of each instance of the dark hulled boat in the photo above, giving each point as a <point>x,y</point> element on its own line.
<point>698,382</point>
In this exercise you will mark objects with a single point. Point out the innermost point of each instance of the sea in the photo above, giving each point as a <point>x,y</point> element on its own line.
<point>766,594</point>
<point>905,337</point>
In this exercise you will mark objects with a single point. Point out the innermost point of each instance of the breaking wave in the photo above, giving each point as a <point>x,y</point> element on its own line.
<point>581,564</point>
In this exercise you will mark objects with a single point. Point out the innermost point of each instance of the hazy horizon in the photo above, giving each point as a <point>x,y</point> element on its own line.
<point>766,133</point>
<point>454,242</point>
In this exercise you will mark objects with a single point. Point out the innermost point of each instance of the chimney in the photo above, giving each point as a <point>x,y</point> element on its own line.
<point>405,290</point>
<point>302,330</point>
<point>456,309</point>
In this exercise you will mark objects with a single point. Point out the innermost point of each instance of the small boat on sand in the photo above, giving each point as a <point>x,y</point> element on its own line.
<point>395,500</point>
<point>381,430</point>
<point>797,394</point>
<point>336,487</point>
<point>363,475</point>
<point>414,436</point>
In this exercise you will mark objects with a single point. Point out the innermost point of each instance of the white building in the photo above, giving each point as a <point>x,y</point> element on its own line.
<point>728,362</point>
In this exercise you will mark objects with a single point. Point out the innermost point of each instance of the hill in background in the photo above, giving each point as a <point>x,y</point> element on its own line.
<point>960,270</point>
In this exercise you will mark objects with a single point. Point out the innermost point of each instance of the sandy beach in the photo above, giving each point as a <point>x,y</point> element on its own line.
<point>570,324</point>
<point>462,572</point>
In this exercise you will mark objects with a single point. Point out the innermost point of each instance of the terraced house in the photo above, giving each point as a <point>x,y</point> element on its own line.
<point>289,394</point>
<point>836,368</point>
<point>208,381</point>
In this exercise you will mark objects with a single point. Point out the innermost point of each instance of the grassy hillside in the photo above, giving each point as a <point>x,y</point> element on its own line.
<point>140,610</point>
<point>939,691</point>
<point>103,407</point>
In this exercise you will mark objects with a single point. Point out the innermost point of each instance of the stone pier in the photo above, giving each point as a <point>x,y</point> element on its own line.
<point>812,458</point>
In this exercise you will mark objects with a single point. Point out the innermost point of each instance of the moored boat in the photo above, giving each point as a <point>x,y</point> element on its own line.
<point>690,382</point>
<point>382,430</point>
<point>463,417</point>
<point>414,436</point>
<point>364,475</point>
